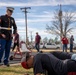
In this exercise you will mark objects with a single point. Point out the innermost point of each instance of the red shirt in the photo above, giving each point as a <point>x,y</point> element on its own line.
<point>37,39</point>
<point>64,40</point>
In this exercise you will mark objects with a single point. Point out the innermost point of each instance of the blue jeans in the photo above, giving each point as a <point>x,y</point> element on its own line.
<point>5,46</point>
<point>65,47</point>
<point>71,47</point>
<point>37,46</point>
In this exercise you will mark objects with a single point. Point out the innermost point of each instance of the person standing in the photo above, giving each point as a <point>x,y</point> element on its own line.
<point>16,41</point>
<point>64,42</point>
<point>71,43</point>
<point>37,41</point>
<point>6,24</point>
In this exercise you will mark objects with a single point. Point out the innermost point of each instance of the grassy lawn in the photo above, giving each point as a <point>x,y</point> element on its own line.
<point>19,70</point>
<point>14,70</point>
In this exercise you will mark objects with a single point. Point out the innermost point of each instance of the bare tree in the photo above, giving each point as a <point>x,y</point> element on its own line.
<point>61,23</point>
<point>45,40</point>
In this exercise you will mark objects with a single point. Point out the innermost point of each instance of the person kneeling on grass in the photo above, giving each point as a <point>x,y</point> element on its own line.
<point>48,62</point>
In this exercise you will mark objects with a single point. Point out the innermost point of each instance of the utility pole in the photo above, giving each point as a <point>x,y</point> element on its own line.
<point>61,25</point>
<point>60,19</point>
<point>31,36</point>
<point>25,11</point>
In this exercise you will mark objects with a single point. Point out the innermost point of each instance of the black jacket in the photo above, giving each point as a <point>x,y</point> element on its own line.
<point>7,22</point>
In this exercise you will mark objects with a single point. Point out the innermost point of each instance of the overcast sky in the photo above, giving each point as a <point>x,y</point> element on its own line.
<point>40,14</point>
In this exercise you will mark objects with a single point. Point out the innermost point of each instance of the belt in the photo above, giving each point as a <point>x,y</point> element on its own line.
<point>5,28</point>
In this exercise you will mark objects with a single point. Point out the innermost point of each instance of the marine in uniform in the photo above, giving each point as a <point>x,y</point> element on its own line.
<point>6,24</point>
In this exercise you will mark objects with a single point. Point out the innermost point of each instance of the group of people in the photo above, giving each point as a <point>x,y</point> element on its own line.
<point>6,36</point>
<point>65,43</point>
<point>55,63</point>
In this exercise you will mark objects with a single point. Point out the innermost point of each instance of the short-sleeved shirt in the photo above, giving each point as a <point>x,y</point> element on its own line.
<point>37,39</point>
<point>49,62</point>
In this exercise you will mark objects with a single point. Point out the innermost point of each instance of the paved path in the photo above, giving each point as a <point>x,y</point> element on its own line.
<point>18,59</point>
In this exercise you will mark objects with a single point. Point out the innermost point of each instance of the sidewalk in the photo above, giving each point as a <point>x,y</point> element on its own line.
<point>16,61</point>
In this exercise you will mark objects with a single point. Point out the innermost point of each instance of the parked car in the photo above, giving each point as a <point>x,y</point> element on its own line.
<point>74,46</point>
<point>50,45</point>
<point>41,45</point>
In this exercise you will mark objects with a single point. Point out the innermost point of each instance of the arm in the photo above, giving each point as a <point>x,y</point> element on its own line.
<point>73,39</point>
<point>0,26</point>
<point>14,27</point>
<point>16,39</point>
<point>1,34</point>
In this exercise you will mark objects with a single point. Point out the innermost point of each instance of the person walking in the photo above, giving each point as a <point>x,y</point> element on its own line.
<point>48,62</point>
<point>16,41</point>
<point>64,42</point>
<point>71,43</point>
<point>37,41</point>
<point>6,24</point>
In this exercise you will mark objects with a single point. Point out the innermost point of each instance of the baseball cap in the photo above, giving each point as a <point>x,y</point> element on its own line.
<point>24,61</point>
<point>10,9</point>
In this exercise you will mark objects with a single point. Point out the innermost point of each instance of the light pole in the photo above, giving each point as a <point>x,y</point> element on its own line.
<point>60,19</point>
<point>61,25</point>
<point>25,11</point>
<point>31,36</point>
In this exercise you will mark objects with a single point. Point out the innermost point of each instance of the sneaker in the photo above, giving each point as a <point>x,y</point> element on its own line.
<point>1,64</point>
<point>7,65</point>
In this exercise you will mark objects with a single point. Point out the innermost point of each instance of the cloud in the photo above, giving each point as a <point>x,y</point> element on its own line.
<point>37,3</point>
<point>46,17</point>
<point>35,17</point>
<point>22,21</point>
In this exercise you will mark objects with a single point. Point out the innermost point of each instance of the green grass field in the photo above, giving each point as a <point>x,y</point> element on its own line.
<point>14,70</point>
<point>18,69</point>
